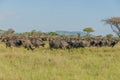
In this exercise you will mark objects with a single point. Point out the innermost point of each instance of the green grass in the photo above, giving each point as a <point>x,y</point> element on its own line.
<point>60,64</point>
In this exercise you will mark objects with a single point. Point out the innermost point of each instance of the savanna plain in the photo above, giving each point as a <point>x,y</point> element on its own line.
<point>93,63</point>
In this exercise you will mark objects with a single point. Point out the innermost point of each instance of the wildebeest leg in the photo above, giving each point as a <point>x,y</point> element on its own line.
<point>8,45</point>
<point>32,48</point>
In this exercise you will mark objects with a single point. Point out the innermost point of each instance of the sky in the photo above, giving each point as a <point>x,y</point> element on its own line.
<point>57,15</point>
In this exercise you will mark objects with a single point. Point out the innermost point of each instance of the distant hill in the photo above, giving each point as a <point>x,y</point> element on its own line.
<point>70,33</point>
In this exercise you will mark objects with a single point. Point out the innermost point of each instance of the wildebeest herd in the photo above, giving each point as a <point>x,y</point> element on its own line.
<point>31,43</point>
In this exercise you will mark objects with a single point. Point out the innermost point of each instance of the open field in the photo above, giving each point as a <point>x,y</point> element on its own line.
<point>60,64</point>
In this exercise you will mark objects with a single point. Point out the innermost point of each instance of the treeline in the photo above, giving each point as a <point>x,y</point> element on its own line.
<point>35,33</point>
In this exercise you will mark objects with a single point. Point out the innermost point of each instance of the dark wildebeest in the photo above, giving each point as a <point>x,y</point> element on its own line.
<point>58,43</point>
<point>37,42</point>
<point>27,44</point>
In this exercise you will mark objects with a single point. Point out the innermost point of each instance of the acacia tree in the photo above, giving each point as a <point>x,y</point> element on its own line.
<point>114,23</point>
<point>88,30</point>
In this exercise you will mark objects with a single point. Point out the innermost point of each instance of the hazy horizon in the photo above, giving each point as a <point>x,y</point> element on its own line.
<point>58,15</point>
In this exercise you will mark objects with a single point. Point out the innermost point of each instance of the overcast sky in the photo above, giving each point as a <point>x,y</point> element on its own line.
<point>55,15</point>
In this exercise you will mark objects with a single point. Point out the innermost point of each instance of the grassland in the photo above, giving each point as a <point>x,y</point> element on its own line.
<point>60,64</point>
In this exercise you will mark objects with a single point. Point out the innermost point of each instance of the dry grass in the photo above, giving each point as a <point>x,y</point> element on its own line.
<point>74,64</point>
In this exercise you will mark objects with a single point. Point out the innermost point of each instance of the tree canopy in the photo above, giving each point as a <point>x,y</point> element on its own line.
<point>88,30</point>
<point>114,22</point>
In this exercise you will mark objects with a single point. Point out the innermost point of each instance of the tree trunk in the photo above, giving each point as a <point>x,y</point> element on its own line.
<point>115,31</point>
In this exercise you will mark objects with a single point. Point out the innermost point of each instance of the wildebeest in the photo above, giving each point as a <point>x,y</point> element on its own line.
<point>27,44</point>
<point>37,42</point>
<point>58,43</point>
<point>82,43</point>
<point>31,43</point>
